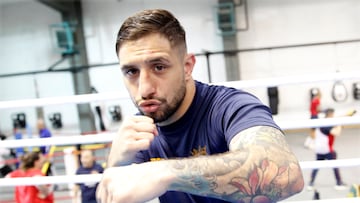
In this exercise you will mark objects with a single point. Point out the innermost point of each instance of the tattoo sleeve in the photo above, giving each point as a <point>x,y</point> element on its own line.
<point>259,167</point>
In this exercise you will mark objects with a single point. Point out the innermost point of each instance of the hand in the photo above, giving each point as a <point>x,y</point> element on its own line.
<point>135,134</point>
<point>133,183</point>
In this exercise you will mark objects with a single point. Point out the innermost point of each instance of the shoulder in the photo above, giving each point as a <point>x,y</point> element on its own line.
<point>98,166</point>
<point>223,95</point>
<point>326,130</point>
<point>16,173</point>
<point>80,170</point>
<point>257,134</point>
<point>35,172</point>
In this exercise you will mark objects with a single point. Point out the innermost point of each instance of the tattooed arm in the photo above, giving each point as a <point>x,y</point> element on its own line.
<point>258,168</point>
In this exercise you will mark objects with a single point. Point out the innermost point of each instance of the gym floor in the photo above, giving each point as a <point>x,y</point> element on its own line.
<point>347,146</point>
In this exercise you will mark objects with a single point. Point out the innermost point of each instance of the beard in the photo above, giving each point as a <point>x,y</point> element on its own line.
<point>167,108</point>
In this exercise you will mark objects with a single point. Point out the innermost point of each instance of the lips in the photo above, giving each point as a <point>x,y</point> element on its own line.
<point>149,106</point>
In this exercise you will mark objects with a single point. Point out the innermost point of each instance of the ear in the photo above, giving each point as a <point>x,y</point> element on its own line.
<point>189,64</point>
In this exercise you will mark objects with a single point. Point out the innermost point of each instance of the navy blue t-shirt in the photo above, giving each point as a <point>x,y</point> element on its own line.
<point>214,117</point>
<point>88,190</point>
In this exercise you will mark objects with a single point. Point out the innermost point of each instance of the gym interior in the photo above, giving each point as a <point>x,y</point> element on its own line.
<point>54,51</point>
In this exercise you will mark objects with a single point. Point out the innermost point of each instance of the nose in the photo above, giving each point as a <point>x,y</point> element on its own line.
<point>146,84</point>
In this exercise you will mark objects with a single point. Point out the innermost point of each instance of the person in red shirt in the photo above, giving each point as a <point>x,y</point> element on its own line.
<point>31,164</point>
<point>314,111</point>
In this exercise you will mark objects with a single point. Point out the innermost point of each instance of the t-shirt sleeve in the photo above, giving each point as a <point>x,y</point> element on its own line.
<point>239,111</point>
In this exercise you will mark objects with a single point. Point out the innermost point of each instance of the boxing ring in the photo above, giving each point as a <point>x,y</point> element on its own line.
<point>107,137</point>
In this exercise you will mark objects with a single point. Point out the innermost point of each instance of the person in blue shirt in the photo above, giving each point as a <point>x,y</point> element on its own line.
<point>43,133</point>
<point>88,165</point>
<point>190,141</point>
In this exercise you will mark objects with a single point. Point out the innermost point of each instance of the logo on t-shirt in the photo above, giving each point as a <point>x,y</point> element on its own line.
<point>200,151</point>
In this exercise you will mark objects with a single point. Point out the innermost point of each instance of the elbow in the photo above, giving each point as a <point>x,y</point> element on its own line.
<point>296,181</point>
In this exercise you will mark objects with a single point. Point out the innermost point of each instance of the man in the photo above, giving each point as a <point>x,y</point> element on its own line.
<point>314,114</point>
<point>191,142</point>
<point>43,133</point>
<point>324,148</point>
<point>88,166</point>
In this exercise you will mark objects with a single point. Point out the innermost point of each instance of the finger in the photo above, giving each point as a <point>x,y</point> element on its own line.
<point>100,194</point>
<point>143,144</point>
<point>144,136</point>
<point>109,198</point>
<point>144,127</point>
<point>141,118</point>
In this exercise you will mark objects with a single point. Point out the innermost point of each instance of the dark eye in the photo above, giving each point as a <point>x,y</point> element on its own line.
<point>131,72</point>
<point>159,68</point>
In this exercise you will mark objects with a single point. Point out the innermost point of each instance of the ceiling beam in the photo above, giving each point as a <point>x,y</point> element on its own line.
<point>59,5</point>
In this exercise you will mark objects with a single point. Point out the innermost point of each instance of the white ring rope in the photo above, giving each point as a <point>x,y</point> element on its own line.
<point>330,163</point>
<point>60,140</point>
<point>108,137</point>
<point>266,82</point>
<point>60,179</point>
<point>292,80</point>
<point>75,99</point>
<point>321,122</point>
<point>338,200</point>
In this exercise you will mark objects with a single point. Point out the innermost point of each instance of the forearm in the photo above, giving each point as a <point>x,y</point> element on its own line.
<point>261,170</point>
<point>115,160</point>
<point>229,177</point>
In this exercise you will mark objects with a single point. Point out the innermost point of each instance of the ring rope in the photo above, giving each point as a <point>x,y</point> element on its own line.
<point>337,200</point>
<point>60,140</point>
<point>108,137</point>
<point>291,80</point>
<point>75,99</point>
<point>97,177</point>
<point>330,163</point>
<point>266,82</point>
<point>43,180</point>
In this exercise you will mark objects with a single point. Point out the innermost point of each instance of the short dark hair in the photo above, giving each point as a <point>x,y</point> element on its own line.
<point>28,160</point>
<point>149,22</point>
<point>329,111</point>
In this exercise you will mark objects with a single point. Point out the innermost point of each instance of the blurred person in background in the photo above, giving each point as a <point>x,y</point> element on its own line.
<point>88,165</point>
<point>314,114</point>
<point>30,166</point>
<point>324,148</point>
<point>43,133</point>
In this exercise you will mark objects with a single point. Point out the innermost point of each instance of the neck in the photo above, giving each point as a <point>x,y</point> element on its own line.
<point>189,96</point>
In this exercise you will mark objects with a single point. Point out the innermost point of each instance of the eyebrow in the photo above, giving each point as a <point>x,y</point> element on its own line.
<point>126,67</point>
<point>157,60</point>
<point>149,61</point>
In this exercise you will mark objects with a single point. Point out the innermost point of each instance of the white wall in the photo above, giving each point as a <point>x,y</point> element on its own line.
<point>26,45</point>
<point>291,22</point>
